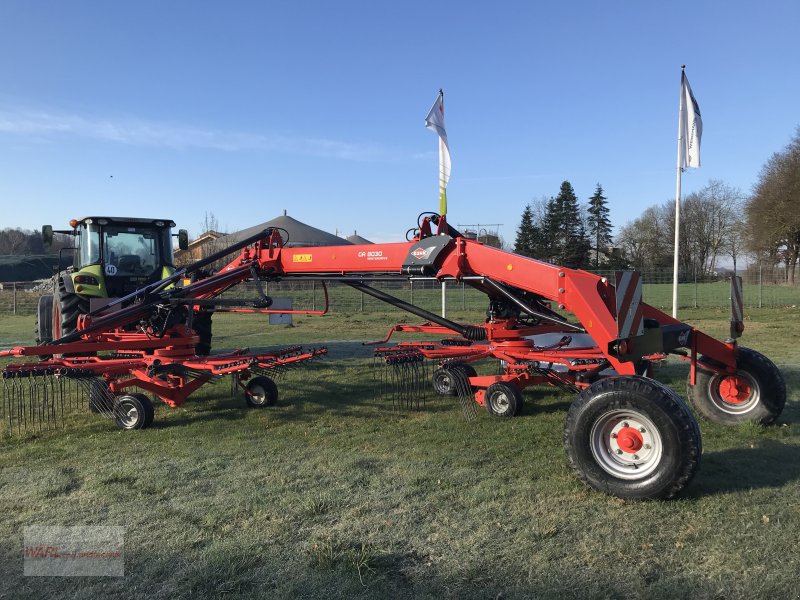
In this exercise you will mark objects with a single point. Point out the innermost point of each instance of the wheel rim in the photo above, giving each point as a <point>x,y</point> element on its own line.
<point>626,444</point>
<point>734,394</point>
<point>128,414</point>
<point>444,382</point>
<point>501,402</point>
<point>258,394</point>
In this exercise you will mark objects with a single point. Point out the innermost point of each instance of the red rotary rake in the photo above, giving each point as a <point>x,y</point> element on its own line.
<point>626,434</point>
<point>145,345</point>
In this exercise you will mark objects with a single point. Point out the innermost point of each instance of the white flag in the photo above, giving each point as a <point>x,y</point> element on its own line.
<point>435,122</point>
<point>691,129</point>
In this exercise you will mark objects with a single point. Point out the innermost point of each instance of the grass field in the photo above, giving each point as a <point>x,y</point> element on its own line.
<point>330,494</point>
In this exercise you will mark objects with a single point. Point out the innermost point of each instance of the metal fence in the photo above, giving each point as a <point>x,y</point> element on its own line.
<point>759,290</point>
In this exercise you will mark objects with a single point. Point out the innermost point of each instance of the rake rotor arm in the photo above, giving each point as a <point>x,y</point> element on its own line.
<point>591,298</point>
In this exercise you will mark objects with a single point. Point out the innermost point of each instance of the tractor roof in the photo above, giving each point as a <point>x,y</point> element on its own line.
<point>132,220</point>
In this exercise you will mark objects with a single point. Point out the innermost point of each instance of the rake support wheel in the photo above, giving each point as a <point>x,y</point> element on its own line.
<point>755,393</point>
<point>444,383</point>
<point>632,437</point>
<point>133,411</point>
<point>261,392</point>
<point>503,399</point>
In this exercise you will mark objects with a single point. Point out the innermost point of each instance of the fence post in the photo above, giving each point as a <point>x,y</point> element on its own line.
<point>760,288</point>
<point>14,284</point>
<point>444,299</point>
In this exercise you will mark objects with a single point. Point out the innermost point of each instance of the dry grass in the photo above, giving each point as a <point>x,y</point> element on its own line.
<point>331,494</point>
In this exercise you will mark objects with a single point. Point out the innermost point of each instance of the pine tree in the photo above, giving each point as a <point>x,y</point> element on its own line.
<point>526,233</point>
<point>599,223</point>
<point>566,234</point>
<point>548,248</point>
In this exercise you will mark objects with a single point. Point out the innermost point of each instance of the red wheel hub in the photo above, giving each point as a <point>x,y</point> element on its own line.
<point>734,389</point>
<point>629,440</point>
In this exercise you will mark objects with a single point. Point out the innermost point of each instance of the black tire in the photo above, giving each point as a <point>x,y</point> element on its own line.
<point>43,329</point>
<point>503,399</point>
<point>468,370</point>
<point>101,400</point>
<point>444,380</point>
<point>261,392</point>
<point>133,411</point>
<point>68,307</point>
<point>755,393</point>
<point>444,383</point>
<point>632,437</point>
<point>201,323</point>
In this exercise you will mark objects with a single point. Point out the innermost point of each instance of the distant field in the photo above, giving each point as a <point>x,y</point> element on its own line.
<point>331,494</point>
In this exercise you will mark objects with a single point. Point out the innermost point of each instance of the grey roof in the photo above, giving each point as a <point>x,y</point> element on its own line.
<point>300,234</point>
<point>357,239</point>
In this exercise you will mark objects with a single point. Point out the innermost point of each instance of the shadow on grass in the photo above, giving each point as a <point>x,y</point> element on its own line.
<point>770,464</point>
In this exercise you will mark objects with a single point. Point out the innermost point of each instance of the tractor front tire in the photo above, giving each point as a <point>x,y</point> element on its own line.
<point>632,437</point>
<point>67,308</point>
<point>43,329</point>
<point>261,392</point>
<point>133,411</point>
<point>201,323</point>
<point>755,393</point>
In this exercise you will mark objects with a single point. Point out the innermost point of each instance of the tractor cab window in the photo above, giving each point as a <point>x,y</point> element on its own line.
<point>131,250</point>
<point>88,246</point>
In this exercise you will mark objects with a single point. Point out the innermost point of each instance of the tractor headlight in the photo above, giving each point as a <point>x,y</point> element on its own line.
<point>86,280</point>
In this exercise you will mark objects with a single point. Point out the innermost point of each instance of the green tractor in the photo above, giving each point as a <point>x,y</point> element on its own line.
<point>112,257</point>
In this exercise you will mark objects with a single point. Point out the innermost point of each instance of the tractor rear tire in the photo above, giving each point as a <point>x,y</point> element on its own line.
<point>261,392</point>
<point>68,307</point>
<point>133,411</point>
<point>632,437</point>
<point>201,323</point>
<point>755,393</point>
<point>43,329</point>
<point>503,399</point>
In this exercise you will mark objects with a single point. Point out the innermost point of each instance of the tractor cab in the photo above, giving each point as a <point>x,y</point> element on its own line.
<point>112,257</point>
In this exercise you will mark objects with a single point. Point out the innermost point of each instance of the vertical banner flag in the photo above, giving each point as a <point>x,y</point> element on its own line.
<point>435,122</point>
<point>691,127</point>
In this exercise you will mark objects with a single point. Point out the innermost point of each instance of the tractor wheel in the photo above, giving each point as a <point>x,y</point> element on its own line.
<point>201,322</point>
<point>503,399</point>
<point>633,438</point>
<point>261,392</point>
<point>755,393</point>
<point>101,400</point>
<point>133,411</point>
<point>43,329</point>
<point>67,308</point>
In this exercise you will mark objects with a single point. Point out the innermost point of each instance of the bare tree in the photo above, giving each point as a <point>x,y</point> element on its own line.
<point>773,219</point>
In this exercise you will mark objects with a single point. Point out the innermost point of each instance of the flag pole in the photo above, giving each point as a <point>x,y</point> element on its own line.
<point>442,188</point>
<point>677,206</point>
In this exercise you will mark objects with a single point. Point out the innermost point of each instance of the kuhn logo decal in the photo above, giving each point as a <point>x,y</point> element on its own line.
<point>422,253</point>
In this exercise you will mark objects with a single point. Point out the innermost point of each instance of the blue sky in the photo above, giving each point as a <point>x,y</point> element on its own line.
<point>244,109</point>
